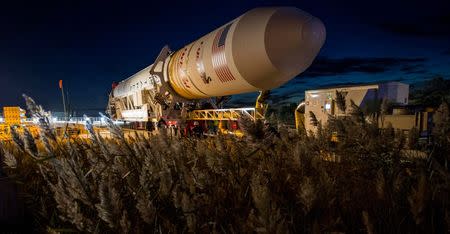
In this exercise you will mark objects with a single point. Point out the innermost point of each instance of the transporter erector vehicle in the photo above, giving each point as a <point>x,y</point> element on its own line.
<point>258,51</point>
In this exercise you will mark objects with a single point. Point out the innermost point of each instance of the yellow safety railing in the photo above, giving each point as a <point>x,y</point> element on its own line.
<point>224,114</point>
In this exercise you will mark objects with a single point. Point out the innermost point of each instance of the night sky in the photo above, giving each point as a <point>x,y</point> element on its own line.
<point>89,45</point>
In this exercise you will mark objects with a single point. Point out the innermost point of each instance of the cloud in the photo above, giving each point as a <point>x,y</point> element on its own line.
<point>283,98</point>
<point>413,69</point>
<point>335,72</point>
<point>437,26</point>
<point>324,66</point>
<point>447,52</point>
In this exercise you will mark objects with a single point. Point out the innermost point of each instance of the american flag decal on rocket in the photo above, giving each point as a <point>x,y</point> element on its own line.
<point>219,60</point>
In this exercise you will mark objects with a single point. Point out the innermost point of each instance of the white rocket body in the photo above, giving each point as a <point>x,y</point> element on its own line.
<point>260,50</point>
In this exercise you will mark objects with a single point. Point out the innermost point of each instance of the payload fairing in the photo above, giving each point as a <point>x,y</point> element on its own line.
<point>260,50</point>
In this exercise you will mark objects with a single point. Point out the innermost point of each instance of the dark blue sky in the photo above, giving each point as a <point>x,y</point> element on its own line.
<point>90,44</point>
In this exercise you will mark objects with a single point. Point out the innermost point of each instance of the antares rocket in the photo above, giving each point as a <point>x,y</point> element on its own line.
<point>260,50</point>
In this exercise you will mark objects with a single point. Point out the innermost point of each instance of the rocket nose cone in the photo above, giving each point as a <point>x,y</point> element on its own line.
<point>313,32</point>
<point>293,40</point>
<point>273,45</point>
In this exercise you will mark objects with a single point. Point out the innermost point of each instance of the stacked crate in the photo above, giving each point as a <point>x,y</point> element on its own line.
<point>4,132</point>
<point>13,115</point>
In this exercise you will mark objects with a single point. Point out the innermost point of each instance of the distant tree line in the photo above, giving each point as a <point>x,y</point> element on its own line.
<point>432,93</point>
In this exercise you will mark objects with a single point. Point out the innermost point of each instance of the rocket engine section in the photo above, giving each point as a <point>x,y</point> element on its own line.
<point>260,50</point>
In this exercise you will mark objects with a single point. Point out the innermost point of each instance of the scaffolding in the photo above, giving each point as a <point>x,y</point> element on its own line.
<point>15,117</point>
<point>225,114</point>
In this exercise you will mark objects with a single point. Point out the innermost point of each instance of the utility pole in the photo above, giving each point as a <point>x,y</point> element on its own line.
<point>69,105</point>
<point>63,98</point>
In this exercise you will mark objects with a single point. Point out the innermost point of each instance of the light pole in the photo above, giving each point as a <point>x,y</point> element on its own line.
<point>63,98</point>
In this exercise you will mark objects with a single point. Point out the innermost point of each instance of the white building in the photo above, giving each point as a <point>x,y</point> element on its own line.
<point>322,102</point>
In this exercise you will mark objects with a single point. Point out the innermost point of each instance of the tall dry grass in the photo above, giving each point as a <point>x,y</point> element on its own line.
<point>274,180</point>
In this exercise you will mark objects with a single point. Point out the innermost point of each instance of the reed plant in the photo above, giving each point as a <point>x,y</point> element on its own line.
<point>273,180</point>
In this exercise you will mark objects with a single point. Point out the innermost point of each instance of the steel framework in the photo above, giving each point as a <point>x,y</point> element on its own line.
<point>225,114</point>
